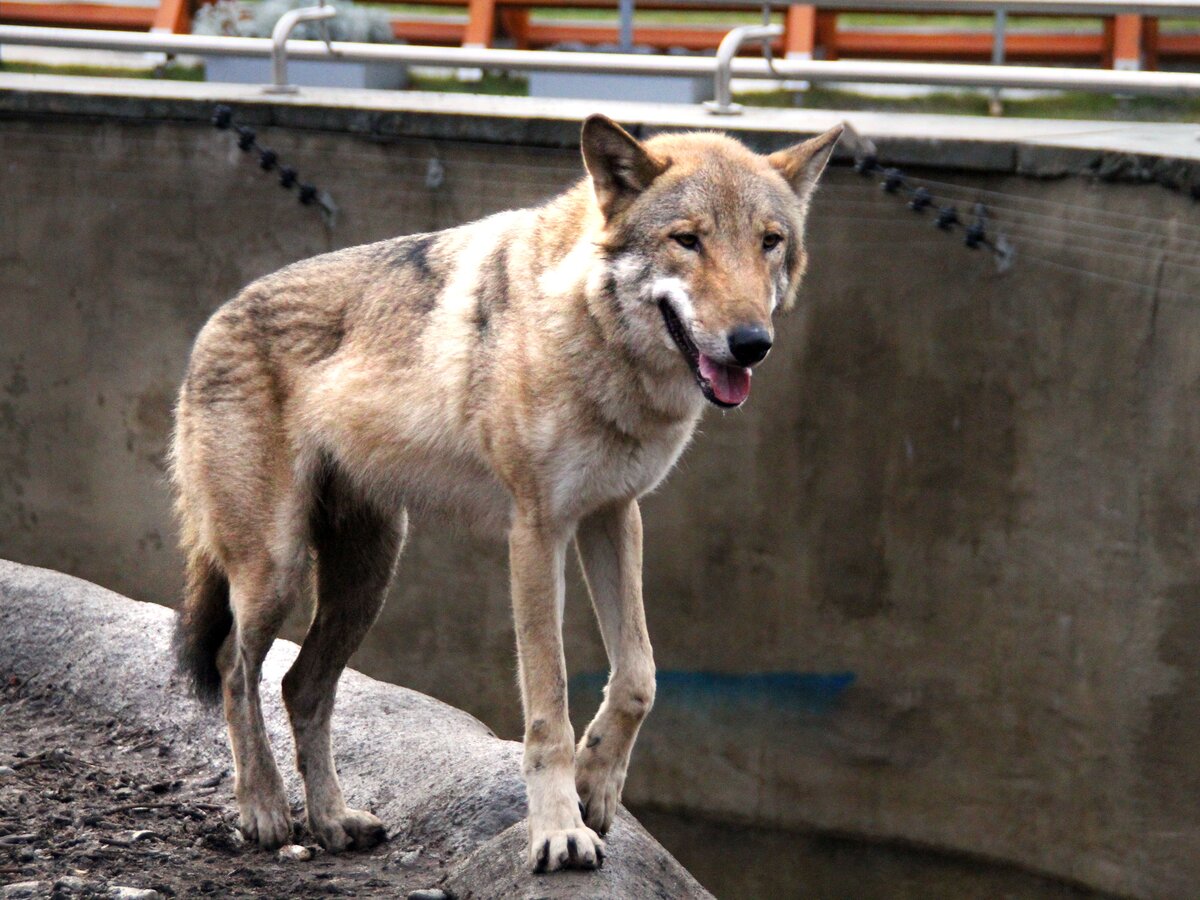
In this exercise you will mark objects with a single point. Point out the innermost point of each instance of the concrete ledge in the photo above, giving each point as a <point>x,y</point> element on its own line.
<point>435,775</point>
<point>1162,152</point>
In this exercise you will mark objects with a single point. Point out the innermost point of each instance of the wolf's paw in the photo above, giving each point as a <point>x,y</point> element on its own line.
<point>354,829</point>
<point>599,782</point>
<point>599,802</point>
<point>570,848</point>
<point>267,821</point>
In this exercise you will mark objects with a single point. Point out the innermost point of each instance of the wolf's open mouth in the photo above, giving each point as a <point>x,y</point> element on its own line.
<point>725,386</point>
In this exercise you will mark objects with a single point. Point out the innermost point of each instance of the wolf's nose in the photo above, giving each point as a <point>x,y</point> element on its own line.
<point>749,344</point>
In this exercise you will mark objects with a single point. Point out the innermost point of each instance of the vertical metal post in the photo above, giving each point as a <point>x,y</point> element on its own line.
<point>279,37</point>
<point>625,13</point>
<point>999,27</point>
<point>1127,42</point>
<point>722,104</point>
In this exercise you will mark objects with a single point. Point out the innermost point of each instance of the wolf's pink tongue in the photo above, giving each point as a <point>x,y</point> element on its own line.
<point>731,384</point>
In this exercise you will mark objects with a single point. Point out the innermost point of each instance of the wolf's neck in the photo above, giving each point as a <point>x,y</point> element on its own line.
<point>633,383</point>
<point>560,224</point>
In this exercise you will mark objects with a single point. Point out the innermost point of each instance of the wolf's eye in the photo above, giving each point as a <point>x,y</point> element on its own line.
<point>771,240</point>
<point>687,240</point>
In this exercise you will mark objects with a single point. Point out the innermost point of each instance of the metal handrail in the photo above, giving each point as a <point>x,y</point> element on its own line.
<point>279,35</point>
<point>1106,81</point>
<point>722,103</point>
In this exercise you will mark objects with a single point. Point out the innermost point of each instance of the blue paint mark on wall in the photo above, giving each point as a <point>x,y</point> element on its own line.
<point>814,693</point>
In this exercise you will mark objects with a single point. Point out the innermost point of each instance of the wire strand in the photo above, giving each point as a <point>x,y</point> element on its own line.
<point>1086,210</point>
<point>969,195</point>
<point>1160,243</point>
<point>1151,288</point>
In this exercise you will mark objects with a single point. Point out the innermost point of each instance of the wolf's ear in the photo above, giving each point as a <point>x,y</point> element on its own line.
<point>803,164</point>
<point>620,166</point>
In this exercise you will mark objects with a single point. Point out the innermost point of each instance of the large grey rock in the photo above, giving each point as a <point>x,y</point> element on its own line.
<point>435,775</point>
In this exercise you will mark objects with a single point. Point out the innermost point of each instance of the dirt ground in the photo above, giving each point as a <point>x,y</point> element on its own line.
<point>88,807</point>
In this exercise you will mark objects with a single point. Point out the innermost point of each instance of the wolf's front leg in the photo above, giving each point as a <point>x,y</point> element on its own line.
<point>557,836</point>
<point>610,550</point>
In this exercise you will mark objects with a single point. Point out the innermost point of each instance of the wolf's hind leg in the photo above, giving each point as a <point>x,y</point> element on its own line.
<point>610,550</point>
<point>357,545</point>
<point>261,594</point>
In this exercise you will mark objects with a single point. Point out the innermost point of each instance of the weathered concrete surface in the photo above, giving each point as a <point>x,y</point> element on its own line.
<point>435,775</point>
<point>955,524</point>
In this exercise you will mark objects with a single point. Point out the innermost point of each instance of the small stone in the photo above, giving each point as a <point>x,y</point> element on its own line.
<point>117,892</point>
<point>5,771</point>
<point>404,859</point>
<point>211,782</point>
<point>141,836</point>
<point>22,889</point>
<point>70,883</point>
<point>429,894</point>
<point>295,853</point>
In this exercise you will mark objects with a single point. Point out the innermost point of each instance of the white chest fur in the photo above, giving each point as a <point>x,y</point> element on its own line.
<point>588,470</point>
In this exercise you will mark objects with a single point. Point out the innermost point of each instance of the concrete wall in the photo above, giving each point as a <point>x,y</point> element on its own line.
<point>936,583</point>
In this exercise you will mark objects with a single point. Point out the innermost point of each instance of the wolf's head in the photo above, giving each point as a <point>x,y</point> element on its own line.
<point>704,241</point>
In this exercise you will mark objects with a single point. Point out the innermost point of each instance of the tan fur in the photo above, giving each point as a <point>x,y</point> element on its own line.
<point>515,374</point>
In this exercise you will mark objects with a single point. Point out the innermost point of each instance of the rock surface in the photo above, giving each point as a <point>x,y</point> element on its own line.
<point>436,776</point>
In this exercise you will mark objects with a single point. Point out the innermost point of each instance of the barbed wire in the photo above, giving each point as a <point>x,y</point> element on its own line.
<point>980,228</point>
<point>946,214</point>
<point>268,161</point>
<point>1056,207</point>
<point>985,219</point>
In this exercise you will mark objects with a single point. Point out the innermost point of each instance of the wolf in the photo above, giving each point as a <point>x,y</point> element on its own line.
<point>532,374</point>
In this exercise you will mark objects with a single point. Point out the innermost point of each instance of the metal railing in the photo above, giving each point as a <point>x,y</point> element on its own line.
<point>279,37</point>
<point>722,103</point>
<point>1106,81</point>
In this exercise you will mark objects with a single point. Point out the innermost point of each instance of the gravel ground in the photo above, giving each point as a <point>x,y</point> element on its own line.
<point>91,808</point>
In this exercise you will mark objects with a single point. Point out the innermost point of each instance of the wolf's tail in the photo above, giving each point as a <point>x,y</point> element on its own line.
<point>202,624</point>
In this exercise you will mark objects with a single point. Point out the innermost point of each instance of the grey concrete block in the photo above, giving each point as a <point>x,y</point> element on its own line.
<point>655,88</point>
<point>315,73</point>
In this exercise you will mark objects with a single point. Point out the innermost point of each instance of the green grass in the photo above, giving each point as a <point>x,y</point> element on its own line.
<point>491,84</point>
<point>698,18</point>
<point>644,16</point>
<point>1059,106</point>
<point>1062,106</point>
<point>170,72</point>
<point>701,17</point>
